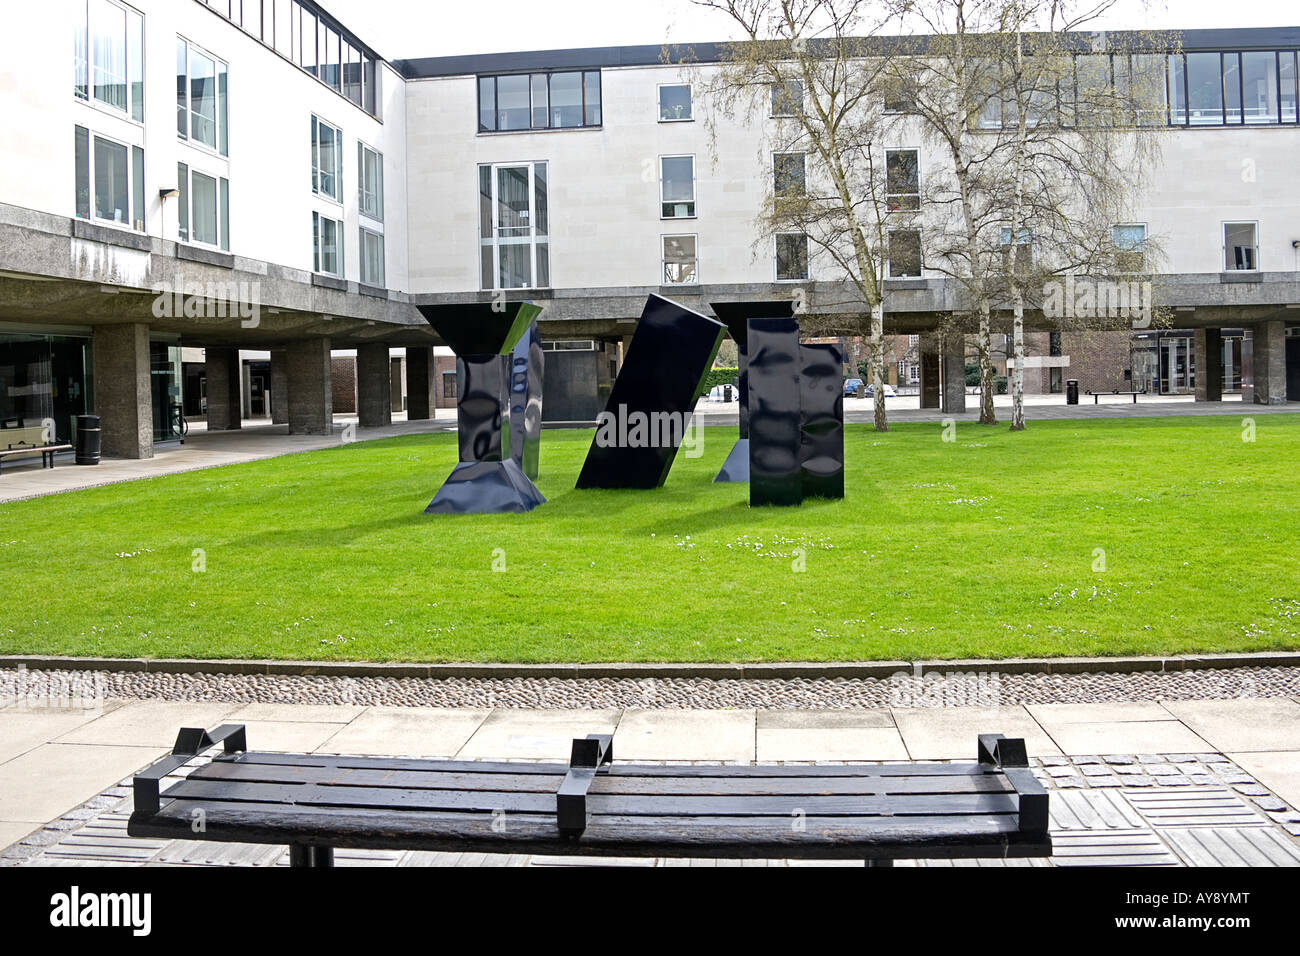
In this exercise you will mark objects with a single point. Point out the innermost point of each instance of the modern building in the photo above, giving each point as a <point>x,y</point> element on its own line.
<point>251,179</point>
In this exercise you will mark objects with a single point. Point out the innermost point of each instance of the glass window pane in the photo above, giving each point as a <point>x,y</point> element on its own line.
<point>539,187</point>
<point>513,107</point>
<point>792,256</point>
<point>1177,90</point>
<point>903,179</point>
<point>283,29</point>
<point>591,93</point>
<point>327,156</point>
<point>203,98</point>
<point>541,111</point>
<point>1239,242</point>
<point>203,208</point>
<point>183,202</point>
<point>333,58</point>
<point>1259,86</point>
<point>1204,89</point>
<point>1287,74</point>
<point>674,103</point>
<point>112,199</point>
<point>904,254</point>
<point>224,202</point>
<point>1232,87</point>
<point>80,65</point>
<point>788,174</point>
<point>516,265</point>
<point>135,63</point>
<point>182,91</point>
<point>543,265</point>
<point>787,98</point>
<point>370,81</point>
<point>352,73</point>
<point>513,208</point>
<point>108,50</point>
<point>485,202</point>
<point>137,188</point>
<point>223,140</point>
<point>566,100</point>
<point>307,45</point>
<point>81,151</point>
<point>487,103</point>
<point>678,186</point>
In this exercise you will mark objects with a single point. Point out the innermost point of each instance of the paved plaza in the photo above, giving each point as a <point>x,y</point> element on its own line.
<point>1188,782</point>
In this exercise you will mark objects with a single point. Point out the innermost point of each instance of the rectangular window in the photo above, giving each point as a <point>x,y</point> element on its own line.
<point>1177,90</point>
<point>449,385</point>
<point>108,55</point>
<point>1129,247</point>
<point>675,103</point>
<point>904,254</point>
<point>1240,246</point>
<point>183,202</point>
<point>1259,81</point>
<point>372,257</point>
<point>331,59</point>
<point>201,82</point>
<point>680,260</point>
<point>327,245</point>
<point>514,228</point>
<point>900,95</point>
<point>1205,89</point>
<point>677,187</point>
<point>788,175</point>
<point>369,85</point>
<point>203,208</point>
<point>787,98</point>
<point>203,211</point>
<point>326,160</point>
<point>1022,260</point>
<point>791,256</point>
<point>370,175</point>
<point>1287,74</point>
<point>1232,89</point>
<point>307,45</point>
<point>521,101</point>
<point>903,180</point>
<point>109,180</point>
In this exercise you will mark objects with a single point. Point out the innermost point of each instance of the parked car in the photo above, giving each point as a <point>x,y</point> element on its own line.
<point>852,387</point>
<point>869,391</point>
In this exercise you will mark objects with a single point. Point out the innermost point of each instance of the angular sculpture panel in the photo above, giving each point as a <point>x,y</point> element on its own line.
<point>821,417</point>
<point>494,357</point>
<point>654,395</point>
<point>775,433</point>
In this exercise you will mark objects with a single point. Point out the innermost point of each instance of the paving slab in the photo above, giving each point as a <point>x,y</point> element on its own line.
<point>1143,736</point>
<point>47,782</point>
<point>22,729</point>
<point>828,735</point>
<point>949,733</point>
<point>1241,724</point>
<point>147,723</point>
<point>1049,714</point>
<point>288,736</point>
<point>537,734</point>
<point>1277,770</point>
<point>13,831</point>
<point>322,713</point>
<point>406,731</point>
<point>685,735</point>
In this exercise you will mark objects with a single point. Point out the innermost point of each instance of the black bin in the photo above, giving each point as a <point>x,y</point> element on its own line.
<point>87,440</point>
<point>726,393</point>
<point>1072,391</point>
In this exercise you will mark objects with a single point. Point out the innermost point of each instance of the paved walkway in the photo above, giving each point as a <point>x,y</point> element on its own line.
<point>1187,782</point>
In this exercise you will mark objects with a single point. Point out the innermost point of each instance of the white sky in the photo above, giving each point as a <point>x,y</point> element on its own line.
<point>412,28</point>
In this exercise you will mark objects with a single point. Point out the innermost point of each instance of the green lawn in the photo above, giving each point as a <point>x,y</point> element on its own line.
<point>985,546</point>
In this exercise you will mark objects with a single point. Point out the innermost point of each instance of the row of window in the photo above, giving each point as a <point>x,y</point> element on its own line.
<point>312,40</point>
<point>525,101</point>
<point>327,183</point>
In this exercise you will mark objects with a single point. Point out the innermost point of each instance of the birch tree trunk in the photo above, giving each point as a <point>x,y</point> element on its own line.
<point>877,342</point>
<point>1018,376</point>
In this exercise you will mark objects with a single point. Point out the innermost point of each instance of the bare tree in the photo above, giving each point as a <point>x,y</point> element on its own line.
<point>814,66</point>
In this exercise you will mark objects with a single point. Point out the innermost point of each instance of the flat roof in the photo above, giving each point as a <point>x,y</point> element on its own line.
<point>591,58</point>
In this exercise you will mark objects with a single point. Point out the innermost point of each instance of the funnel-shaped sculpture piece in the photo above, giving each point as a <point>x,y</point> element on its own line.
<point>495,353</point>
<point>650,405</point>
<point>736,316</point>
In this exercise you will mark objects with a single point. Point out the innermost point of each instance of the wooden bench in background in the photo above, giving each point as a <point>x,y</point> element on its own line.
<point>990,808</point>
<point>1096,396</point>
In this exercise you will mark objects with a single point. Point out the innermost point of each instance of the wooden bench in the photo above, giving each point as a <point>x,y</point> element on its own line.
<point>47,453</point>
<point>992,808</point>
<point>1096,396</point>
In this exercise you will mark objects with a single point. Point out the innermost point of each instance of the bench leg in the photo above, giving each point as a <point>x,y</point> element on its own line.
<point>878,863</point>
<point>300,855</point>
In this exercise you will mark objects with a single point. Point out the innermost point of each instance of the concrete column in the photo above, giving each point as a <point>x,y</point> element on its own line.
<point>929,352</point>
<point>421,383</point>
<point>224,384</point>
<point>1270,363</point>
<point>374,388</point>
<point>123,399</point>
<point>279,387</point>
<point>1207,347</point>
<point>953,374</point>
<point>311,402</point>
<point>397,383</point>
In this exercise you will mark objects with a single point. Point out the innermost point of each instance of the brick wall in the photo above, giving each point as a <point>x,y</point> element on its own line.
<point>343,377</point>
<point>1098,359</point>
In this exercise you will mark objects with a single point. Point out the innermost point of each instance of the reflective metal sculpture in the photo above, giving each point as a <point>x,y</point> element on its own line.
<point>821,418</point>
<point>650,405</point>
<point>775,433</point>
<point>526,402</point>
<point>489,478</point>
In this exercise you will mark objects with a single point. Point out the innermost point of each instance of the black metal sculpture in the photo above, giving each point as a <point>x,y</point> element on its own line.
<point>650,405</point>
<point>821,421</point>
<point>526,373</point>
<point>775,433</point>
<point>487,341</point>
<point>736,316</point>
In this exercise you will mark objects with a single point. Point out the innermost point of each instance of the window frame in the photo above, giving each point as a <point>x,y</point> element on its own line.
<point>221,122</point>
<point>890,197</point>
<point>920,253</point>
<point>796,109</point>
<point>1140,251</point>
<point>316,122</point>
<point>1223,232</point>
<point>803,182</point>
<point>133,85</point>
<point>693,202</point>
<point>378,191</point>
<point>318,236</point>
<point>536,240</point>
<point>664,261</point>
<point>659,103</point>
<point>598,103</point>
<point>776,257</point>
<point>134,182</point>
<point>364,231</point>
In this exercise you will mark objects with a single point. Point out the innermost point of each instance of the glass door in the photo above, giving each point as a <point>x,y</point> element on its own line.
<point>514,231</point>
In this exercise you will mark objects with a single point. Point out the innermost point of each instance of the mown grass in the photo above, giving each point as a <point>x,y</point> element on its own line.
<point>984,546</point>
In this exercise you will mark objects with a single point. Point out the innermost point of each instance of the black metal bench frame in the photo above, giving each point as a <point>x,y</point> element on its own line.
<point>1096,396</point>
<point>993,808</point>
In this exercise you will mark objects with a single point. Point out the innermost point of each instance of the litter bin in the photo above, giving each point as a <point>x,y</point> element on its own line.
<point>87,440</point>
<point>726,393</point>
<point>1072,391</point>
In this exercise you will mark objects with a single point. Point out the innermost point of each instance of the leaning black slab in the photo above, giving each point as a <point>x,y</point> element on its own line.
<point>672,349</point>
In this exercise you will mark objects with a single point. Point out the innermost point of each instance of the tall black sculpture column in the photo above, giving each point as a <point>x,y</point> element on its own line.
<point>489,366</point>
<point>736,316</point>
<point>526,401</point>
<point>775,435</point>
<point>821,419</point>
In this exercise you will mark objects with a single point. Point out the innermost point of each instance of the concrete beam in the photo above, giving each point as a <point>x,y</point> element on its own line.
<point>1270,363</point>
<point>123,395</point>
<point>421,384</point>
<point>222,370</point>
<point>1207,346</point>
<point>374,387</point>
<point>311,402</point>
